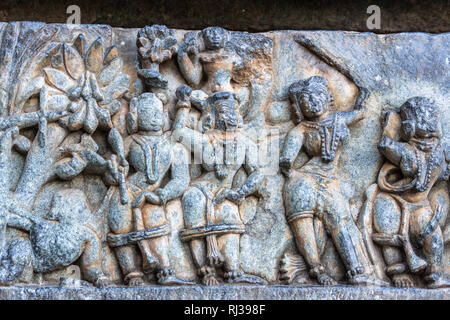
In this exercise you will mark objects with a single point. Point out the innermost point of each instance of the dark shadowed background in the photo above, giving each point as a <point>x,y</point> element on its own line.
<point>246,15</point>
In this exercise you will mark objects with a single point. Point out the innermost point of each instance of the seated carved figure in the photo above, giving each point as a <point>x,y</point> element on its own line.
<point>213,225</point>
<point>312,194</point>
<point>402,214</point>
<point>159,174</point>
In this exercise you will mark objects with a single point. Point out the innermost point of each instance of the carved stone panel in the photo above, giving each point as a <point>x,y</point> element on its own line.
<point>154,156</point>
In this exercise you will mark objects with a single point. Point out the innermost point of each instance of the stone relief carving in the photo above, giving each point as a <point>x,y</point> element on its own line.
<point>407,215</point>
<point>160,156</point>
<point>312,194</point>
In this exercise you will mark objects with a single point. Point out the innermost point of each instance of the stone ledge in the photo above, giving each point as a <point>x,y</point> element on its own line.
<point>221,293</point>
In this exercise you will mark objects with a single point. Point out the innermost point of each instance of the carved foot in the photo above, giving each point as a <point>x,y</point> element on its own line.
<point>207,275</point>
<point>103,282</point>
<point>366,280</point>
<point>325,280</point>
<point>210,280</point>
<point>166,277</point>
<point>136,281</point>
<point>300,280</point>
<point>402,280</point>
<point>236,277</point>
<point>149,265</point>
<point>317,271</point>
<point>436,281</point>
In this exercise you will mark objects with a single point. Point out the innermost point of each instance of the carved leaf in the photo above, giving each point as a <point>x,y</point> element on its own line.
<point>109,72</point>
<point>104,118</point>
<point>116,89</point>
<point>91,121</point>
<point>76,119</point>
<point>94,56</point>
<point>81,45</point>
<point>58,80</point>
<point>143,41</point>
<point>95,88</point>
<point>73,61</point>
<point>110,55</point>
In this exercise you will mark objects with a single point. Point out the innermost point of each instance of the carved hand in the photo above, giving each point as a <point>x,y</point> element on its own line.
<point>189,46</point>
<point>146,196</point>
<point>285,166</point>
<point>235,195</point>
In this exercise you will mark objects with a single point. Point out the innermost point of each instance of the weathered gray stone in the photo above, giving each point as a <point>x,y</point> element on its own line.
<point>99,125</point>
<point>221,293</point>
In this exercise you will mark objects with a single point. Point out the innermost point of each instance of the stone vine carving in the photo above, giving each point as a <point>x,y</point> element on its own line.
<point>211,157</point>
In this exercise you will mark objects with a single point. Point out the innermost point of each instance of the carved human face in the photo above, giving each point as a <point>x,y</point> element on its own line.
<point>214,38</point>
<point>419,119</point>
<point>312,105</point>
<point>226,116</point>
<point>150,113</point>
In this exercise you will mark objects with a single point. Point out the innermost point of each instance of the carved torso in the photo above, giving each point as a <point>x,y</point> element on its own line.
<point>151,157</point>
<point>324,139</point>
<point>228,158</point>
<point>218,67</point>
<point>422,164</point>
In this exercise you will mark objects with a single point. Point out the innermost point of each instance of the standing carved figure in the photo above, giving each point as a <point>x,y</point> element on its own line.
<point>312,194</point>
<point>213,225</point>
<point>403,216</point>
<point>159,173</point>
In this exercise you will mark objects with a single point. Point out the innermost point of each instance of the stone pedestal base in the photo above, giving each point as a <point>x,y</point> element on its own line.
<point>220,293</point>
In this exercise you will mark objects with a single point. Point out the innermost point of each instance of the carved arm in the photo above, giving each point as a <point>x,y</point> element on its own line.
<point>188,60</point>
<point>292,146</point>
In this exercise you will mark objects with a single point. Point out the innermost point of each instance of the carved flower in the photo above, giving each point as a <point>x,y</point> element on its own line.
<point>89,80</point>
<point>156,43</point>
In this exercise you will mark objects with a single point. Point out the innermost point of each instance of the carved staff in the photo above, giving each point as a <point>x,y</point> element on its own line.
<point>116,142</point>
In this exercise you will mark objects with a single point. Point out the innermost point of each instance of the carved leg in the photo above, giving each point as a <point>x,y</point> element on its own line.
<point>206,273</point>
<point>155,251</point>
<point>229,244</point>
<point>91,261</point>
<point>120,221</point>
<point>166,275</point>
<point>349,244</point>
<point>387,218</point>
<point>17,256</point>
<point>305,239</point>
<point>128,256</point>
<point>432,242</point>
<point>434,249</point>
<point>194,212</point>
<point>396,267</point>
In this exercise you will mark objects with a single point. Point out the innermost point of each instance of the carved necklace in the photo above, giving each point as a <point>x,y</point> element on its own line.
<point>426,156</point>
<point>225,147</point>
<point>329,141</point>
<point>151,155</point>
